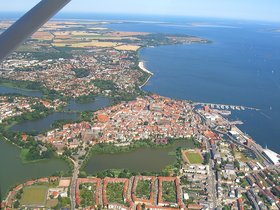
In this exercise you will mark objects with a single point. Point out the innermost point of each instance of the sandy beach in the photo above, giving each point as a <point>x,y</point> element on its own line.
<point>142,66</point>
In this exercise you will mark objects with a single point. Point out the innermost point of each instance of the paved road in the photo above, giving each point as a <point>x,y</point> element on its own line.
<point>73,184</point>
<point>212,181</point>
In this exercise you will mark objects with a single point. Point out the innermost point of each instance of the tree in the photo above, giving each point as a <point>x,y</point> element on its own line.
<point>237,164</point>
<point>16,204</point>
<point>82,174</point>
<point>18,196</point>
<point>206,158</point>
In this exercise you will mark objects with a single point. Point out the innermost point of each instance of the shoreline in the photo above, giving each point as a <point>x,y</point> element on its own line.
<point>142,67</point>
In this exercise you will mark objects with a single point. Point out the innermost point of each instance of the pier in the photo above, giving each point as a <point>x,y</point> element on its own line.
<point>227,107</point>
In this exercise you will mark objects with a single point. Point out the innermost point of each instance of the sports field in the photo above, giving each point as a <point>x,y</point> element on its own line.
<point>34,195</point>
<point>193,157</point>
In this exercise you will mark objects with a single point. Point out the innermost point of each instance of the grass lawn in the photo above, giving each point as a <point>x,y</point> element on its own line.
<point>35,195</point>
<point>194,157</point>
<point>23,157</point>
<point>143,189</point>
<point>240,156</point>
<point>169,192</point>
<point>115,193</point>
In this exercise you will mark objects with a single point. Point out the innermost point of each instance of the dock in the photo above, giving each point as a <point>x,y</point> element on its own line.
<point>227,107</point>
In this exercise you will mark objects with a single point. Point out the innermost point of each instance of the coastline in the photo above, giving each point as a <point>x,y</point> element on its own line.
<point>142,67</point>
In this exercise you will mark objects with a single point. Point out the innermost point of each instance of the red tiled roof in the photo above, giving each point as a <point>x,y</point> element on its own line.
<point>102,118</point>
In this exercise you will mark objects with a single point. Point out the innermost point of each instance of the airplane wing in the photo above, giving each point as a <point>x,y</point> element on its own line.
<point>28,24</point>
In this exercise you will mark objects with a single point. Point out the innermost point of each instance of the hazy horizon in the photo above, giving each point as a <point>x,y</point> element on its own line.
<point>131,17</point>
<point>256,10</point>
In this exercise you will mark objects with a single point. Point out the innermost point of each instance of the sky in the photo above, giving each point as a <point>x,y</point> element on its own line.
<point>267,10</point>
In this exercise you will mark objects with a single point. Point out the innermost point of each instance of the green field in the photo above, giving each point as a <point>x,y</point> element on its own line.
<point>194,157</point>
<point>114,192</point>
<point>169,192</point>
<point>143,189</point>
<point>35,195</point>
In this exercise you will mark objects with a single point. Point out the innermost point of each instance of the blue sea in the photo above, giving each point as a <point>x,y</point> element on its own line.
<point>241,66</point>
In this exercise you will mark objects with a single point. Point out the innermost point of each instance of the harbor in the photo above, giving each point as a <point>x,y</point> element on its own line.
<point>226,107</point>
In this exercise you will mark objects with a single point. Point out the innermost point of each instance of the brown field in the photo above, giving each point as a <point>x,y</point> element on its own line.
<point>71,41</point>
<point>63,37</point>
<point>128,47</point>
<point>42,35</point>
<point>62,33</point>
<point>87,44</point>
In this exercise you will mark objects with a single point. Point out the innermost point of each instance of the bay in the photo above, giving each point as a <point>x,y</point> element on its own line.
<point>240,67</point>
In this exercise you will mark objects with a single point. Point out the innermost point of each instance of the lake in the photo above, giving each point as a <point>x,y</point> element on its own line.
<point>25,92</point>
<point>140,160</point>
<point>98,103</point>
<point>44,124</point>
<point>13,171</point>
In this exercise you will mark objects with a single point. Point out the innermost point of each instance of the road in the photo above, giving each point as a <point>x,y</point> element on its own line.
<point>212,182</point>
<point>73,184</point>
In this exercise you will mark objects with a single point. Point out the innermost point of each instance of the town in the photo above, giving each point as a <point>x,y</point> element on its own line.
<point>12,106</point>
<point>219,166</point>
<point>79,63</point>
<point>227,167</point>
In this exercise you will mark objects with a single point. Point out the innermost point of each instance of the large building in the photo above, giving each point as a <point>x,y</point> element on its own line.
<point>272,156</point>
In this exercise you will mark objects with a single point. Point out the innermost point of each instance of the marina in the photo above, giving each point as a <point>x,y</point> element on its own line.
<point>226,107</point>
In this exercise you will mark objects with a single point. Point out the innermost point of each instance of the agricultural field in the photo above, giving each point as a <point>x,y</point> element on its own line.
<point>114,192</point>
<point>128,47</point>
<point>87,44</point>
<point>43,35</point>
<point>169,193</point>
<point>35,195</point>
<point>87,194</point>
<point>143,189</point>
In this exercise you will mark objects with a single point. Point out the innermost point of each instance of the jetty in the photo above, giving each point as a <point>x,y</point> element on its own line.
<point>226,107</point>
